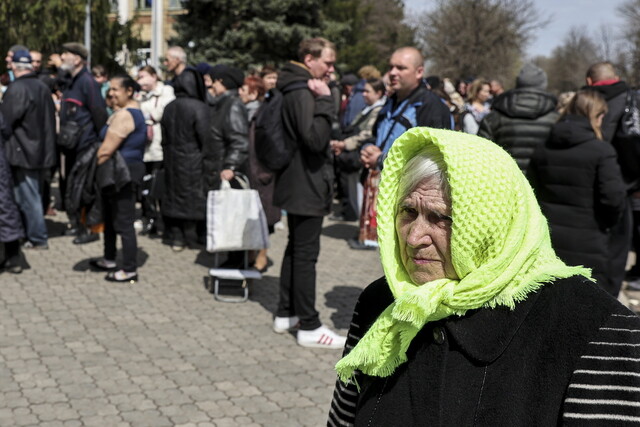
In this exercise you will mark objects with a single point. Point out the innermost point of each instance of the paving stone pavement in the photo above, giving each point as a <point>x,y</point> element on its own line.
<point>76,350</point>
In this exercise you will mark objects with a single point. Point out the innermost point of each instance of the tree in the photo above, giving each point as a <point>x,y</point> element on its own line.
<point>569,62</point>
<point>46,25</point>
<point>248,33</point>
<point>630,12</point>
<point>471,38</point>
<point>377,29</point>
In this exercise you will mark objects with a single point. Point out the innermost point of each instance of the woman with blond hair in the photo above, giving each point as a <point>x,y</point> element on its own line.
<point>478,106</point>
<point>579,185</point>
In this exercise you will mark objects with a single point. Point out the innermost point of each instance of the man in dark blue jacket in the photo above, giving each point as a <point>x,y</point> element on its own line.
<point>82,104</point>
<point>29,131</point>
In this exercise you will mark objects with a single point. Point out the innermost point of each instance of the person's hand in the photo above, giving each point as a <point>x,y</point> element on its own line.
<point>318,87</point>
<point>227,174</point>
<point>369,156</point>
<point>337,147</point>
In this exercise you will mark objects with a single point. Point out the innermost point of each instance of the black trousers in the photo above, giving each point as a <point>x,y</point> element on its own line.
<point>619,246</point>
<point>118,212</point>
<point>298,274</point>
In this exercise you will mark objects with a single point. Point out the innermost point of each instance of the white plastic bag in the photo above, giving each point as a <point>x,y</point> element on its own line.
<point>235,220</point>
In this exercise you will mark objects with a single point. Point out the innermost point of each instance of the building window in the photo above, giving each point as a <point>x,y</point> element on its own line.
<point>175,4</point>
<point>143,4</point>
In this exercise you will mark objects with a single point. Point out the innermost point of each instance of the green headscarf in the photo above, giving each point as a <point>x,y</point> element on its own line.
<point>500,246</point>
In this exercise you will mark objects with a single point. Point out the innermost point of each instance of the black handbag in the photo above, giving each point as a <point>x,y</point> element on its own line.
<point>70,134</point>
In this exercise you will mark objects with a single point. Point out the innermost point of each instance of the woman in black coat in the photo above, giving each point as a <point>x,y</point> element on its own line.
<point>11,230</point>
<point>579,186</point>
<point>185,134</point>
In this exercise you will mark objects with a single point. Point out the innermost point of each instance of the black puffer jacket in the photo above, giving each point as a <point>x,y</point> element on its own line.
<point>185,133</point>
<point>305,186</point>
<point>30,124</point>
<point>520,121</point>
<point>230,137</point>
<point>579,186</point>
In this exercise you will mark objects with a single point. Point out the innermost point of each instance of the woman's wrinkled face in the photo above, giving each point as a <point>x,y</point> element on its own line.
<point>423,226</point>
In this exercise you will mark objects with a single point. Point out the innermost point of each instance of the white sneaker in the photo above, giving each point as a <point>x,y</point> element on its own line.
<point>322,337</point>
<point>284,324</point>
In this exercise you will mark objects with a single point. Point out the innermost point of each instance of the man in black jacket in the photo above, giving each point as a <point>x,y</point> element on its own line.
<point>30,132</point>
<point>521,119</point>
<point>304,189</point>
<point>82,104</point>
<point>603,78</point>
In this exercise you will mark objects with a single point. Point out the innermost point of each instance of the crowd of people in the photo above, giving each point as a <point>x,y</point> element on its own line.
<point>116,143</point>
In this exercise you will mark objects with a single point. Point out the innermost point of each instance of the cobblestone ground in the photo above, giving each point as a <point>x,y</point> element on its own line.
<point>78,351</point>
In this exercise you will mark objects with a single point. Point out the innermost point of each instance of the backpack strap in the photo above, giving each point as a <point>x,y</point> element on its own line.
<point>297,85</point>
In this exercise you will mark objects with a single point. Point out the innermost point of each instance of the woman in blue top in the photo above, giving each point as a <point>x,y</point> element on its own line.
<point>125,132</point>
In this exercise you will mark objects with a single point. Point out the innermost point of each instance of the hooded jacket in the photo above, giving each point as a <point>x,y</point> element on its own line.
<point>185,134</point>
<point>520,121</point>
<point>580,189</point>
<point>30,124</point>
<point>305,186</point>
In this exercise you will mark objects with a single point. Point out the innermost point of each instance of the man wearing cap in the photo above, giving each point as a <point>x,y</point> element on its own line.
<point>229,126</point>
<point>8,77</point>
<point>29,134</point>
<point>521,118</point>
<point>82,105</point>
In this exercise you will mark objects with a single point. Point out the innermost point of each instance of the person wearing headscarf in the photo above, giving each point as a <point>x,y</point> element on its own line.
<point>476,320</point>
<point>186,132</point>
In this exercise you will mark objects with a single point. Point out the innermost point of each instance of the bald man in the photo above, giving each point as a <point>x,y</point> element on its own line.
<point>411,105</point>
<point>602,77</point>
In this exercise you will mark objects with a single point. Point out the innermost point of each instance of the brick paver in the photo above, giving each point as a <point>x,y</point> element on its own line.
<point>78,351</point>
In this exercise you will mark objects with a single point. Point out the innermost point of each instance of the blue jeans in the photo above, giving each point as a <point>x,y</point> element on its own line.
<point>27,186</point>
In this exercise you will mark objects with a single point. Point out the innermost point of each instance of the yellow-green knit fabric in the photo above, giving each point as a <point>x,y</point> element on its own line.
<point>500,246</point>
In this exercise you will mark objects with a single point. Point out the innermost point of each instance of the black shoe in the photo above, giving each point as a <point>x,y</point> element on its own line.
<point>12,267</point>
<point>85,238</point>
<point>113,276</point>
<point>30,246</point>
<point>99,264</point>
<point>357,245</point>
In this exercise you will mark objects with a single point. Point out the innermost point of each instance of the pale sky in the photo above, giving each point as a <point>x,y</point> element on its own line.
<point>564,15</point>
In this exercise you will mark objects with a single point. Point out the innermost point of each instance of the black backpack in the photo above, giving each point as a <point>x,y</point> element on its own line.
<point>630,120</point>
<point>271,147</point>
<point>627,141</point>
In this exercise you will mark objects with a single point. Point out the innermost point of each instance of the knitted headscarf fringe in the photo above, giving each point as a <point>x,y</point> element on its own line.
<point>500,247</point>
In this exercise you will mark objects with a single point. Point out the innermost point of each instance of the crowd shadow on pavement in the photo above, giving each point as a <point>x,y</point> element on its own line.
<point>343,299</point>
<point>55,228</point>
<point>341,231</point>
<point>83,265</point>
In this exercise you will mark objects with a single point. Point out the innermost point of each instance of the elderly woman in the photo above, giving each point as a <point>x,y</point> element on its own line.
<point>477,321</point>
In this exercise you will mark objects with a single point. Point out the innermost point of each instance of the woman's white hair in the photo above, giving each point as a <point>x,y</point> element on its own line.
<point>427,165</point>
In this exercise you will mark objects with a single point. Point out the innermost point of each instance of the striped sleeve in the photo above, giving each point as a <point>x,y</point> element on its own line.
<point>605,387</point>
<point>345,396</point>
